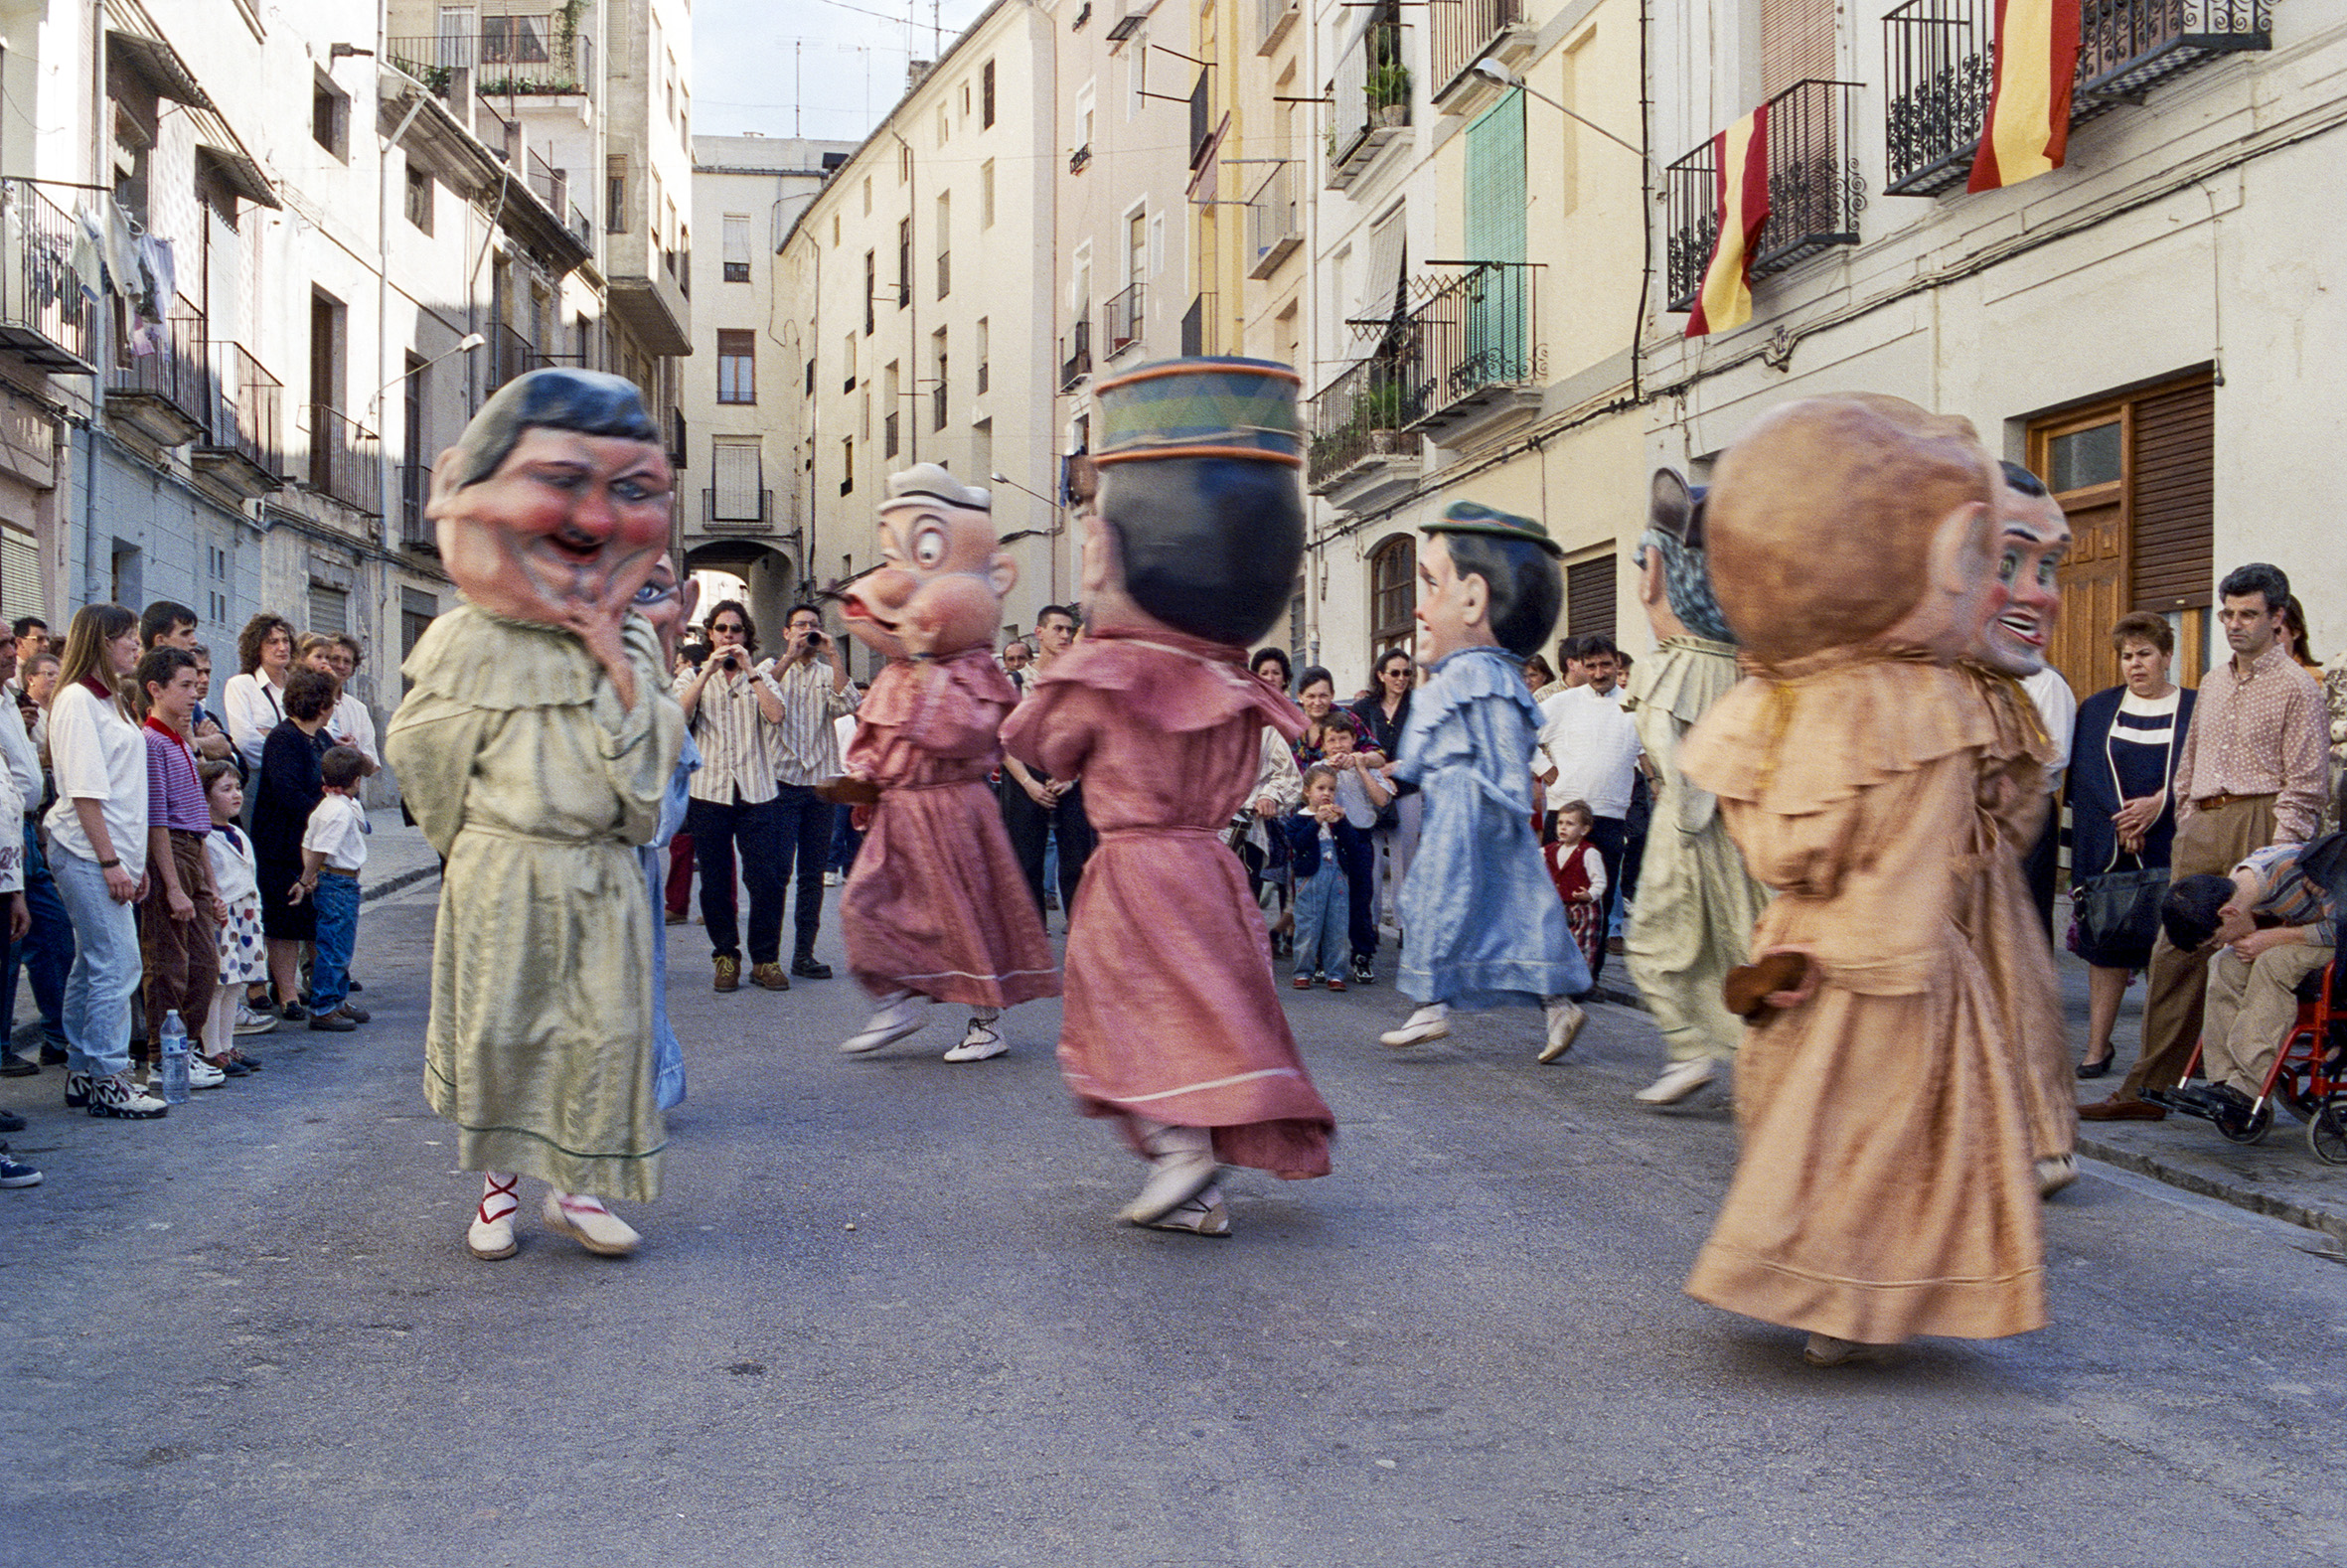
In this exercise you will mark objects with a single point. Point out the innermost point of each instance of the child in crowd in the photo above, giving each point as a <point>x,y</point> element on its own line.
<point>241,950</point>
<point>1363,793</point>
<point>182,909</point>
<point>1322,844</point>
<point>1579,873</point>
<point>333,852</point>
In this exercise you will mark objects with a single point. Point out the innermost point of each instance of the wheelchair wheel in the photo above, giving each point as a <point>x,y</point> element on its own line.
<point>2326,1135</point>
<point>2247,1127</point>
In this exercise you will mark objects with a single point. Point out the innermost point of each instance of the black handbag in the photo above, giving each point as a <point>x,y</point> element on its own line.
<point>2118,916</point>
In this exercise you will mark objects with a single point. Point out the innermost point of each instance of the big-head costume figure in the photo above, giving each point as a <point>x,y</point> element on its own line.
<point>1485,926</point>
<point>936,907</point>
<point>1173,1026</point>
<point>1885,1187</point>
<point>536,743</point>
<point>1696,903</point>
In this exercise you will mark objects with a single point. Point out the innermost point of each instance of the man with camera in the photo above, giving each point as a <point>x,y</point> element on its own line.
<point>811,674</point>
<point>731,706</point>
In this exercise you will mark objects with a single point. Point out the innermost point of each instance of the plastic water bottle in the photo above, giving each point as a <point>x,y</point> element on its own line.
<point>175,1059</point>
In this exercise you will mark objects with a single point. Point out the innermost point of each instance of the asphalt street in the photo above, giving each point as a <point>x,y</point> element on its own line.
<point>884,1316</point>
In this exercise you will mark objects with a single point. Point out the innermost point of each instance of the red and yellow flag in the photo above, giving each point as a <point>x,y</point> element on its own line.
<point>2027,131</point>
<point>1739,154</point>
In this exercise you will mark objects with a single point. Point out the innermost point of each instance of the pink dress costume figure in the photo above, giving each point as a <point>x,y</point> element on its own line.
<point>535,746</point>
<point>936,908</point>
<point>1486,926</point>
<point>1172,1025</point>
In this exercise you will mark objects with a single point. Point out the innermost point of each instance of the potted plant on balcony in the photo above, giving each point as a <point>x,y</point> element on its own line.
<point>1389,93</point>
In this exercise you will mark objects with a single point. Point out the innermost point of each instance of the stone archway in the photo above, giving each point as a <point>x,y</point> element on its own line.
<point>771,576</point>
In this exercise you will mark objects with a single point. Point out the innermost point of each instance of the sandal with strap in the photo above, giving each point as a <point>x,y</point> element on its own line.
<point>492,1234</point>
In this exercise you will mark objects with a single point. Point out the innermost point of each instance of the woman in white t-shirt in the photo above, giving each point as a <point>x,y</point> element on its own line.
<point>254,701</point>
<point>98,833</point>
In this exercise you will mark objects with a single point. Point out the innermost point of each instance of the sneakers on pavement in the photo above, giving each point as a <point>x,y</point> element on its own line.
<point>978,1042</point>
<point>15,1172</point>
<point>1678,1080</point>
<point>251,1022</point>
<point>76,1090</point>
<point>1363,971</point>
<point>121,1098</point>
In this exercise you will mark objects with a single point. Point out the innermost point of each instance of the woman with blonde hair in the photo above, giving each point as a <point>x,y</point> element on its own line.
<point>98,855</point>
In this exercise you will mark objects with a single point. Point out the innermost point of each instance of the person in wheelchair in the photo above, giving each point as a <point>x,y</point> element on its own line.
<point>2268,927</point>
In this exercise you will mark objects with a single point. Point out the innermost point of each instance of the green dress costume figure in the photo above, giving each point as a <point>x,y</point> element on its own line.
<point>534,748</point>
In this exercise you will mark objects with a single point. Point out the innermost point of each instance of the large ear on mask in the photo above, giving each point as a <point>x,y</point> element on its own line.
<point>1670,506</point>
<point>1001,573</point>
<point>1959,548</point>
<point>687,600</point>
<point>1474,598</point>
<point>447,470</point>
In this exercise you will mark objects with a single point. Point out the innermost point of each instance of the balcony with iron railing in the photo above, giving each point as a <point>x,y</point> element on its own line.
<point>734,510</point>
<point>1476,347</point>
<point>1816,191</point>
<point>1361,425</point>
<point>1461,32</point>
<point>1275,225</point>
<point>1369,101</point>
<point>511,56</point>
<point>1075,357</point>
<point>1122,317</point>
<point>43,315</point>
<point>241,446</point>
<point>1938,63</point>
<point>548,183</point>
<point>158,384</point>
<point>509,355</point>
<point>345,460</point>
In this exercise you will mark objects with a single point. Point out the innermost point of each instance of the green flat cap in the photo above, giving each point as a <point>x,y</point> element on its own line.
<point>1467,517</point>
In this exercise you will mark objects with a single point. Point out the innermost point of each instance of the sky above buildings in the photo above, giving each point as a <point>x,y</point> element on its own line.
<point>826,69</point>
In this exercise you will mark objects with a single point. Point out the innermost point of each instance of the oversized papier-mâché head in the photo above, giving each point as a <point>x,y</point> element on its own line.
<point>1854,521</point>
<point>557,495</point>
<point>1674,574</point>
<point>939,589</point>
<point>1486,577</point>
<point>1198,520</point>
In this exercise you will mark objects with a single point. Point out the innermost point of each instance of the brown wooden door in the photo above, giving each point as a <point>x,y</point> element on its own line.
<point>2082,457</point>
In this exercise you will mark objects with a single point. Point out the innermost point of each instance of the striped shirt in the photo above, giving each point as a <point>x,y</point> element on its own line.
<point>175,795</point>
<point>2263,733</point>
<point>736,759</point>
<point>806,750</point>
<point>2286,896</point>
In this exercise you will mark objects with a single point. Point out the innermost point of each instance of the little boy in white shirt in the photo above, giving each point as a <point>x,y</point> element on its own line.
<point>333,854</point>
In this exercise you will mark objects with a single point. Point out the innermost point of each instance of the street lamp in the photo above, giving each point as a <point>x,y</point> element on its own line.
<point>1492,71</point>
<point>1001,478</point>
<point>464,345</point>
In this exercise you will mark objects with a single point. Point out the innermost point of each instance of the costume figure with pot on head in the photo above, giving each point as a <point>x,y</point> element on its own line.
<point>1173,1026</point>
<point>1486,926</point>
<point>1696,903</point>
<point>934,909</point>
<point>535,746</point>
<point>1883,1187</point>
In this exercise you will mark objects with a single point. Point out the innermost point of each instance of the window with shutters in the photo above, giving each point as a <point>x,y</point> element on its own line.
<point>20,573</point>
<point>330,610</point>
<point>2136,477</point>
<point>1495,183</point>
<point>985,94</point>
<point>1797,43</point>
<point>1589,597</point>
<point>737,479</point>
<point>738,248</point>
<point>737,367</point>
<point>1393,594</point>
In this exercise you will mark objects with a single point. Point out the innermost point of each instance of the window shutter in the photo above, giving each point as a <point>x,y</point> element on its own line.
<point>1589,597</point>
<point>330,610</point>
<point>740,470</point>
<point>19,575</point>
<point>1495,183</point>
<point>1796,42</point>
<point>2175,499</point>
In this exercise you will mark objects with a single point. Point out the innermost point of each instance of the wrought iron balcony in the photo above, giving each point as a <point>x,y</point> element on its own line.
<point>736,511</point>
<point>43,315</point>
<point>417,532</point>
<point>2127,45</point>
<point>1275,226</point>
<point>1121,318</point>
<point>1814,190</point>
<point>241,446</point>
<point>345,460</point>
<point>1076,363</point>
<point>1476,348</point>
<point>1463,30</point>
<point>511,355</point>
<point>1369,103</point>
<point>510,57</point>
<point>1938,67</point>
<point>158,383</point>
<point>1364,416</point>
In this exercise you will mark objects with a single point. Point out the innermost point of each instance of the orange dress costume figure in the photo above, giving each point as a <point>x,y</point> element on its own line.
<point>1885,1187</point>
<point>935,908</point>
<point>1172,1025</point>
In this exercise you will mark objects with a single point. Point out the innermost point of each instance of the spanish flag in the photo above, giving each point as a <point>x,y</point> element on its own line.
<point>1740,155</point>
<point>2027,131</point>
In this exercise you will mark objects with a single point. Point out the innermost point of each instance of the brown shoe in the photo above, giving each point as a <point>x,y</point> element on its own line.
<point>728,973</point>
<point>769,976</point>
<point>2120,1109</point>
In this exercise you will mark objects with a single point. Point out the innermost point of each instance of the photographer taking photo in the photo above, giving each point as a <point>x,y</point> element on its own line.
<point>733,709</point>
<point>812,677</point>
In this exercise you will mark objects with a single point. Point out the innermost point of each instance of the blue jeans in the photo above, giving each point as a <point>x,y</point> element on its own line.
<point>803,835</point>
<point>337,899</point>
<point>46,952</point>
<point>105,971</point>
<point>1321,915</point>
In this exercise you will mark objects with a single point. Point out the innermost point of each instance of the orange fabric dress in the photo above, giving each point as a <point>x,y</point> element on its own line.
<point>936,904</point>
<point>1885,1187</point>
<point>1172,1013</point>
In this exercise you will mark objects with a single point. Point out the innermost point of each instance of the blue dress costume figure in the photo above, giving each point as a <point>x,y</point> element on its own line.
<point>1486,927</point>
